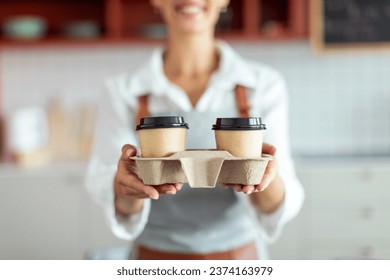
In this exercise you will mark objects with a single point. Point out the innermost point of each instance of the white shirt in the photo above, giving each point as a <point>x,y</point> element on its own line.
<point>115,127</point>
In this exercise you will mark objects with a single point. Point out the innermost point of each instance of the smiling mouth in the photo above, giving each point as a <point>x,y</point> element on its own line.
<point>189,9</point>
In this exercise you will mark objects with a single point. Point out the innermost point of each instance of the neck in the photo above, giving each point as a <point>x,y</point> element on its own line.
<point>190,55</point>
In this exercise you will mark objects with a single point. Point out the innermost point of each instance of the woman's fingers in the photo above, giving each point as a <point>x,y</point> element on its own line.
<point>144,191</point>
<point>130,182</point>
<point>126,190</point>
<point>269,175</point>
<point>178,186</point>
<point>128,151</point>
<point>125,162</point>
<point>127,178</point>
<point>248,189</point>
<point>268,149</point>
<point>166,189</point>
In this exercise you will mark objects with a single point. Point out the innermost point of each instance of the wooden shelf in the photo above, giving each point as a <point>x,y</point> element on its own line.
<point>135,21</point>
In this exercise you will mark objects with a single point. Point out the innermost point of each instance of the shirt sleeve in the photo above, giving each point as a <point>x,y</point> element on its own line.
<point>272,105</point>
<point>114,128</point>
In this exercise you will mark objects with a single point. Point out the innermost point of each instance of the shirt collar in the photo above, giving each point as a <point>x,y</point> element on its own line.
<point>233,70</point>
<point>150,79</point>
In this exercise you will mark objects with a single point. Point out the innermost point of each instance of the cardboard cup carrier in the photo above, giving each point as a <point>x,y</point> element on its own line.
<point>166,160</point>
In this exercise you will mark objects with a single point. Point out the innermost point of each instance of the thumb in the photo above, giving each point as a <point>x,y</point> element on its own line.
<point>128,151</point>
<point>269,149</point>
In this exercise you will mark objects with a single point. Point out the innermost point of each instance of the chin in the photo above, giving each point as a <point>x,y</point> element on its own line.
<point>193,27</point>
<point>192,30</point>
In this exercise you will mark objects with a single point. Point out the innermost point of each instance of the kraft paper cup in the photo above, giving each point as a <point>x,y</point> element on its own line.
<point>162,136</point>
<point>241,137</point>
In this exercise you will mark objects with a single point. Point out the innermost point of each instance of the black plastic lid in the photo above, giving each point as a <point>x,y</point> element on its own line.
<point>239,124</point>
<point>162,122</point>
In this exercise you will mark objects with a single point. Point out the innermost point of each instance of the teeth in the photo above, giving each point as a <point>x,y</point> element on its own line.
<point>191,10</point>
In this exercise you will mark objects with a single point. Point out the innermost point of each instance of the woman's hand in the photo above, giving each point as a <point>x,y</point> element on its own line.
<point>130,190</point>
<point>270,174</point>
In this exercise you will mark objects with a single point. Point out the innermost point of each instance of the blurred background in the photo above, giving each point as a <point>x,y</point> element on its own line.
<point>334,55</point>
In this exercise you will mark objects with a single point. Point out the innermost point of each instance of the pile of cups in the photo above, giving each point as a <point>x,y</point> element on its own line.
<point>164,136</point>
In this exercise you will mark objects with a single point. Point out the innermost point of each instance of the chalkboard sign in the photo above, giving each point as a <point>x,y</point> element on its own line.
<point>345,23</point>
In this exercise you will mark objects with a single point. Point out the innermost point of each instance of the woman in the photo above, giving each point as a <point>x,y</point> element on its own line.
<point>194,76</point>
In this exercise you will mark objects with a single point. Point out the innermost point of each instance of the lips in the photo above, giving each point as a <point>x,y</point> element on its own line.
<point>190,8</point>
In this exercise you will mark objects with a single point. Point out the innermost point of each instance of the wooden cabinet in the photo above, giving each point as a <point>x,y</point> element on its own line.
<point>109,21</point>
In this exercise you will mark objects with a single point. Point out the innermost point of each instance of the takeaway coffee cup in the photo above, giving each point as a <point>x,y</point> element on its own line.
<point>162,136</point>
<point>242,137</point>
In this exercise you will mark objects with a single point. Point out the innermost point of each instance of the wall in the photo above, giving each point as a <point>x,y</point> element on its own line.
<point>339,106</point>
<point>340,102</point>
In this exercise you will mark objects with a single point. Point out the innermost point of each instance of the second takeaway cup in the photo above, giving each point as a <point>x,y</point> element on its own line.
<point>162,136</point>
<point>241,137</point>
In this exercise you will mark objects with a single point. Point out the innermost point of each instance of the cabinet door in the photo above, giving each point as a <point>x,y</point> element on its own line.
<point>349,203</point>
<point>39,218</point>
<point>348,213</point>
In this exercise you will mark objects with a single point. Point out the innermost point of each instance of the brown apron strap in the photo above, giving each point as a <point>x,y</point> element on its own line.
<point>242,101</point>
<point>143,110</point>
